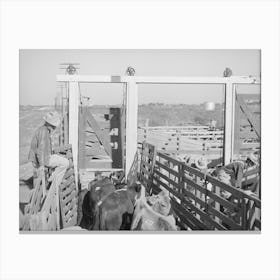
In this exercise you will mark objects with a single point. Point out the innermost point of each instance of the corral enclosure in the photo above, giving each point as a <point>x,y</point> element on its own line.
<point>169,119</point>
<point>143,125</point>
<point>183,119</point>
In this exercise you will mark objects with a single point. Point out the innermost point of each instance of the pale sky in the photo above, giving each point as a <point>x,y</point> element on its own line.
<point>38,70</point>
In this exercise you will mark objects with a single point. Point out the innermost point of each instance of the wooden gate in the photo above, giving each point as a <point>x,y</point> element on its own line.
<point>100,138</point>
<point>247,130</point>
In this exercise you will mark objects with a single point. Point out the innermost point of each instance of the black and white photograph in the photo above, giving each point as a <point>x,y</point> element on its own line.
<point>140,140</point>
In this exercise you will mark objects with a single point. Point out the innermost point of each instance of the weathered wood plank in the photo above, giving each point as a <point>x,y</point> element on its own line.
<point>170,181</point>
<point>225,203</point>
<point>168,169</point>
<point>99,133</point>
<point>224,218</point>
<point>68,198</point>
<point>168,158</point>
<point>249,115</point>
<point>235,192</point>
<point>187,217</point>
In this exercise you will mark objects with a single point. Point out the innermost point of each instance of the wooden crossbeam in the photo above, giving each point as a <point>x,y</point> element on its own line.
<point>158,80</point>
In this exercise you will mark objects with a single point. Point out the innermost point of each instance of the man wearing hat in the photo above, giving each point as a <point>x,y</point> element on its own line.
<point>41,150</point>
<point>201,163</point>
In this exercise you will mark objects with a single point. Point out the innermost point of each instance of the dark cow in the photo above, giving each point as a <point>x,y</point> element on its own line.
<point>98,191</point>
<point>115,212</point>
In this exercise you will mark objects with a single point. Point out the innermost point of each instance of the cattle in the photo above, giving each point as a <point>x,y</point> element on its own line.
<point>116,210</point>
<point>98,191</point>
<point>153,213</point>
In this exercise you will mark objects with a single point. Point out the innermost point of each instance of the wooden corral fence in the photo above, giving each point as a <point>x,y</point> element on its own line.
<point>197,198</point>
<point>59,208</point>
<point>193,138</point>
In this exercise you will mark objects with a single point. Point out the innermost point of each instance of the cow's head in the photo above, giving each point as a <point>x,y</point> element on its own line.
<point>134,191</point>
<point>162,204</point>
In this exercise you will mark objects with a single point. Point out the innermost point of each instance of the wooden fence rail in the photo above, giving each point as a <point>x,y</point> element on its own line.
<point>200,201</point>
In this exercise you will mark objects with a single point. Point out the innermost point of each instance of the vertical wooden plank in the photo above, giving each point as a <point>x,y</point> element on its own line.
<point>197,195</point>
<point>244,210</point>
<point>236,150</point>
<point>131,124</point>
<point>57,208</point>
<point>74,102</point>
<point>229,120</point>
<point>66,121</point>
<point>180,179</point>
<point>217,191</point>
<point>82,132</point>
<point>61,133</point>
<point>123,125</point>
<point>116,138</point>
<point>145,134</point>
<point>178,138</point>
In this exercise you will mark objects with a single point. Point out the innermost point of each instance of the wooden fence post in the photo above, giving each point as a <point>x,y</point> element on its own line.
<point>145,134</point>
<point>181,180</point>
<point>244,209</point>
<point>178,138</point>
<point>217,191</point>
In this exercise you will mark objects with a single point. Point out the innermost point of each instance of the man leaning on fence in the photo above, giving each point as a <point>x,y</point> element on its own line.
<point>41,151</point>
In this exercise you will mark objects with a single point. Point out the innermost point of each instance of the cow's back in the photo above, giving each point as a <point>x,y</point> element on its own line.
<point>113,208</point>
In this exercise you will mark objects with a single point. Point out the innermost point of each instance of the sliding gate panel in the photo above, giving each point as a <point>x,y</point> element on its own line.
<point>101,127</point>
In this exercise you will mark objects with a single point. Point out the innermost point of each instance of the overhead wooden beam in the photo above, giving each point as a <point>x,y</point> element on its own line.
<point>158,80</point>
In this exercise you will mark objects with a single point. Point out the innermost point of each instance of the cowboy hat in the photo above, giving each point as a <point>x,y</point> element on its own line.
<point>52,118</point>
<point>201,162</point>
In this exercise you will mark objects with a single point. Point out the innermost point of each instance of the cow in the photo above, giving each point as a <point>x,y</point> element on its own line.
<point>153,213</point>
<point>115,211</point>
<point>97,190</point>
